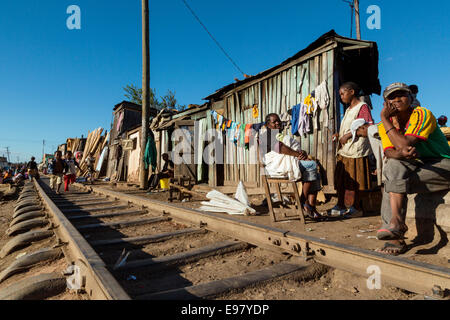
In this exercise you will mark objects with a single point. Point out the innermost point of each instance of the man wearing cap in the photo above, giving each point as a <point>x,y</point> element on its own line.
<point>418,161</point>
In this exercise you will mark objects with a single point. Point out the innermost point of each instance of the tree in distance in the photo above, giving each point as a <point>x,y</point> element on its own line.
<point>134,94</point>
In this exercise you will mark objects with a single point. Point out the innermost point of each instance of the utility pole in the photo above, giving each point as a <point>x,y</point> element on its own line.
<point>358,27</point>
<point>143,173</point>
<point>7,153</point>
<point>43,153</point>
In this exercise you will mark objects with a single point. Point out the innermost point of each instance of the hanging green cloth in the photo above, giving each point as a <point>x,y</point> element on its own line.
<point>150,156</point>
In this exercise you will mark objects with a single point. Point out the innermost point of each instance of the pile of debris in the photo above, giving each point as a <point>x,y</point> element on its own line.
<point>95,144</point>
<point>75,144</point>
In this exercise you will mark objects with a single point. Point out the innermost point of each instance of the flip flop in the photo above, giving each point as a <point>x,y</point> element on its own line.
<point>311,214</point>
<point>391,233</point>
<point>399,248</point>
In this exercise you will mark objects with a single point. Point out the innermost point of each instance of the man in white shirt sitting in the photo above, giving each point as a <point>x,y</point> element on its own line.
<point>283,157</point>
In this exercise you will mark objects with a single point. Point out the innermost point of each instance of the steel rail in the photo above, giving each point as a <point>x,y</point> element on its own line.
<point>98,281</point>
<point>413,276</point>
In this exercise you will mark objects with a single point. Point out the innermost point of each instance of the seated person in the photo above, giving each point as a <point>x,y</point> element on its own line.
<point>166,172</point>
<point>418,161</point>
<point>285,158</point>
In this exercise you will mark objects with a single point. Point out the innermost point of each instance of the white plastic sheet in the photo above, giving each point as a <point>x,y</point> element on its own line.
<point>241,194</point>
<point>220,202</point>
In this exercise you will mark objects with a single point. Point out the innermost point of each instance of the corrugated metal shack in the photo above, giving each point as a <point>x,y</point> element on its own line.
<point>165,124</point>
<point>330,58</point>
<point>127,116</point>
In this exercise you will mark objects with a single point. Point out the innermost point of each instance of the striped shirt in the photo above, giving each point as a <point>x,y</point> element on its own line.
<point>423,125</point>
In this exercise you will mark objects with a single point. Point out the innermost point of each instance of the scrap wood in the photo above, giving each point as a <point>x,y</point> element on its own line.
<point>229,190</point>
<point>94,143</point>
<point>185,190</point>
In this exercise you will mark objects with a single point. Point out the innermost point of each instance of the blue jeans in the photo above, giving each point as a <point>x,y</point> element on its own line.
<point>310,174</point>
<point>309,170</point>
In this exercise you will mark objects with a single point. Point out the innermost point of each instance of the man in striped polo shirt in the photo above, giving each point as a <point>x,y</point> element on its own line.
<point>418,161</point>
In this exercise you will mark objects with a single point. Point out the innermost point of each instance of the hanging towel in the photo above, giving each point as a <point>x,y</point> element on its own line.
<point>303,122</point>
<point>220,120</point>
<point>237,133</point>
<point>322,101</point>
<point>242,135</point>
<point>232,132</point>
<point>255,111</point>
<point>257,126</point>
<point>214,116</point>
<point>309,102</point>
<point>150,152</point>
<point>248,130</point>
<point>295,119</point>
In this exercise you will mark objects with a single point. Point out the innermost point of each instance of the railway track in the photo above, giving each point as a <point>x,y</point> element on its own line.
<point>123,246</point>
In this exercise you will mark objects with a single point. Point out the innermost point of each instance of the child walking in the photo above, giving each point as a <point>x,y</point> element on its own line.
<point>71,171</point>
<point>352,168</point>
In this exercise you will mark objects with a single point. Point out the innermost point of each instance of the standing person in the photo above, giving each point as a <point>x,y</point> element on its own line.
<point>32,169</point>
<point>71,170</point>
<point>418,162</point>
<point>90,162</point>
<point>57,168</point>
<point>414,91</point>
<point>352,168</point>
<point>442,121</point>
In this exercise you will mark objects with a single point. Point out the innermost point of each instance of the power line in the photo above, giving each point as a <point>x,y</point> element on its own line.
<point>212,37</point>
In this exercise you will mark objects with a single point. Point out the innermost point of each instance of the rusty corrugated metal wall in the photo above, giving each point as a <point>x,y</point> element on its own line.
<point>278,94</point>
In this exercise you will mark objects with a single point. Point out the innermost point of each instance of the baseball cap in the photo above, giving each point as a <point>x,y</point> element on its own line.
<point>355,126</point>
<point>397,86</point>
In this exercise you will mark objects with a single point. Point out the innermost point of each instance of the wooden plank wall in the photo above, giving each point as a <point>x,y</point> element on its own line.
<point>278,94</point>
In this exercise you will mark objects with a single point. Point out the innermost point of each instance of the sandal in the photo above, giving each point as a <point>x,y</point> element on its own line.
<point>312,213</point>
<point>395,249</point>
<point>392,233</point>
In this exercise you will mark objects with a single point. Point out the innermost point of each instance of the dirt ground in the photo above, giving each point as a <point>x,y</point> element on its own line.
<point>6,212</point>
<point>359,232</point>
<point>334,284</point>
<point>318,284</point>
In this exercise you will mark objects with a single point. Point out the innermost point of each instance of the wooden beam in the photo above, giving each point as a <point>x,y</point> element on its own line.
<point>95,209</point>
<point>214,288</point>
<point>188,256</point>
<point>147,239</point>
<point>123,223</point>
<point>73,205</point>
<point>106,215</point>
<point>361,46</point>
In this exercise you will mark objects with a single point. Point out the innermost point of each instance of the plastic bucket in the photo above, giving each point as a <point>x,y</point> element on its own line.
<point>164,183</point>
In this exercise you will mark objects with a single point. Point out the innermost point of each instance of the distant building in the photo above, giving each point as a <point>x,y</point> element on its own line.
<point>3,162</point>
<point>127,118</point>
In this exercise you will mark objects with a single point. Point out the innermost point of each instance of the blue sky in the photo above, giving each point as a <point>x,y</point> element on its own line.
<point>57,83</point>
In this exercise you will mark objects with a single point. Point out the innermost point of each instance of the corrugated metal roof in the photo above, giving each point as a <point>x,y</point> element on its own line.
<point>331,35</point>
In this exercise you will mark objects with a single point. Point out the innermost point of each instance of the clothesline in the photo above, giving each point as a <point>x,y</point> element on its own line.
<point>301,119</point>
